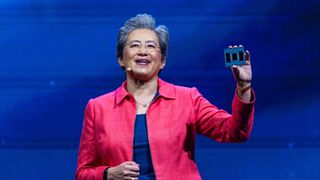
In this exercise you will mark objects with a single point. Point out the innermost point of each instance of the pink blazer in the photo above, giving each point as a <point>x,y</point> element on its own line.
<point>173,119</point>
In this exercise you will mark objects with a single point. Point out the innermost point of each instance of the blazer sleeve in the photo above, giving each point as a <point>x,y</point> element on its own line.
<point>220,125</point>
<point>89,162</point>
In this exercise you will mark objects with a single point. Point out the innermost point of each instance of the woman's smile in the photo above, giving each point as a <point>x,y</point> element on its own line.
<point>143,62</point>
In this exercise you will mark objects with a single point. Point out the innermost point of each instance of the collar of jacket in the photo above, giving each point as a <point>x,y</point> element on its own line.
<point>165,90</point>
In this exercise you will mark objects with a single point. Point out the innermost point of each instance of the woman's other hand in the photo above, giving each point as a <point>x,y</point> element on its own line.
<point>127,170</point>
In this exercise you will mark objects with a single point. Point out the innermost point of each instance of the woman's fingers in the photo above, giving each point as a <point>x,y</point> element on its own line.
<point>131,178</point>
<point>128,173</point>
<point>126,170</point>
<point>131,169</point>
<point>131,163</point>
<point>134,168</point>
<point>247,55</point>
<point>235,46</point>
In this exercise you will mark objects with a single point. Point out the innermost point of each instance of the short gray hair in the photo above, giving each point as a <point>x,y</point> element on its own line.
<point>142,21</point>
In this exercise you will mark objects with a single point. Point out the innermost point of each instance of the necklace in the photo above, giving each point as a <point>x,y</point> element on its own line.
<point>144,104</point>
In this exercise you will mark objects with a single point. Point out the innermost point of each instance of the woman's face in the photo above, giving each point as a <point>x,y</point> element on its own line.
<point>142,55</point>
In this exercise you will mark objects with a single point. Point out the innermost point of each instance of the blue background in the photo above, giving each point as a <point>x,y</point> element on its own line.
<point>57,54</point>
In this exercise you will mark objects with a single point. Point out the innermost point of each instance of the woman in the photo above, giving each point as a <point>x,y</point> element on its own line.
<point>146,128</point>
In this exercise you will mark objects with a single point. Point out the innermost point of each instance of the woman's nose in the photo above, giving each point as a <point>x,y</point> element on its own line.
<point>143,50</point>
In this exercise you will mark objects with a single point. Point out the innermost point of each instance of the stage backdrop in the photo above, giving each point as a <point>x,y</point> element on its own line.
<point>55,55</point>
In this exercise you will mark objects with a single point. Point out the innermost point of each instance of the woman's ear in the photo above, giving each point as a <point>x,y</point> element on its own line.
<point>163,62</point>
<point>120,62</point>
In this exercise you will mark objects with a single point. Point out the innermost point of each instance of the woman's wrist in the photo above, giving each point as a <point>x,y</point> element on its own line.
<point>244,91</point>
<point>243,87</point>
<point>106,174</point>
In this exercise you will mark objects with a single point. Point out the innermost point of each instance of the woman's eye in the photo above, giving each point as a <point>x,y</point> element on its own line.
<point>151,46</point>
<point>134,45</point>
